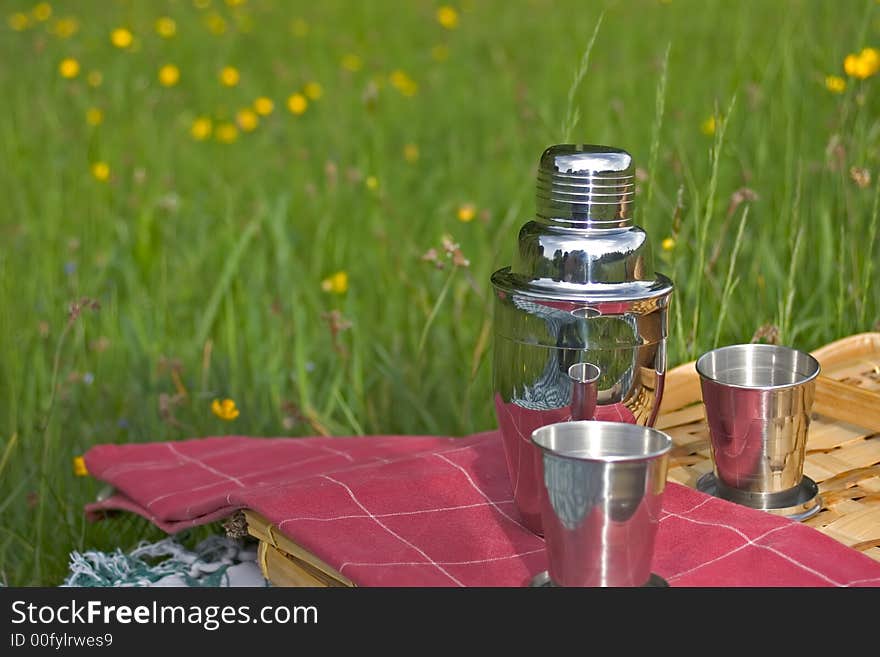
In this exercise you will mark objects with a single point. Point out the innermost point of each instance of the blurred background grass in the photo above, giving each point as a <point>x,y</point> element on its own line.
<point>278,259</point>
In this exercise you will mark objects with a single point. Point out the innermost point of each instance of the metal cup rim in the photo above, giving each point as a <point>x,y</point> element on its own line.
<point>816,367</point>
<point>592,426</point>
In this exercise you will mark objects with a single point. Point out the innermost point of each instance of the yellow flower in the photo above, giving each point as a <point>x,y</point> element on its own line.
<point>95,78</point>
<point>68,68</point>
<point>201,128</point>
<point>467,212</point>
<point>121,37</point>
<point>403,83</point>
<point>247,119</point>
<point>440,53</point>
<point>166,27</point>
<point>229,76</point>
<point>65,27</point>
<point>297,104</point>
<point>169,75</point>
<point>264,106</point>
<point>201,4</point>
<point>18,21</point>
<point>101,171</point>
<point>352,63</point>
<point>235,3</point>
<point>372,183</point>
<point>42,11</point>
<point>225,410</point>
<point>79,467</point>
<point>226,133</point>
<point>313,90</point>
<point>707,127</point>
<point>299,28</point>
<point>862,65</point>
<point>447,17</point>
<point>668,244</point>
<point>835,84</point>
<point>337,283</point>
<point>411,153</point>
<point>870,60</point>
<point>94,116</point>
<point>215,23</point>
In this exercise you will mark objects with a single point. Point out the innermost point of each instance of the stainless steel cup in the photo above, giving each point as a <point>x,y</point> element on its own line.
<point>601,491</point>
<point>758,399</point>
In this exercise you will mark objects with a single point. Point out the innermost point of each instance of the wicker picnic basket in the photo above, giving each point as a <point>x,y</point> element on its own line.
<point>843,445</point>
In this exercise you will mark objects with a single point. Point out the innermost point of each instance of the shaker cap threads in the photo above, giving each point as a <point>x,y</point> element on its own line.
<point>586,184</point>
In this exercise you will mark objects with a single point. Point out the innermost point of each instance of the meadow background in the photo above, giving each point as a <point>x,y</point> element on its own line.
<point>238,200</point>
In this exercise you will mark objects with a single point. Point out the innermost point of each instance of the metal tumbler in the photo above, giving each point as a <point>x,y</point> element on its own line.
<point>758,400</point>
<point>580,299</point>
<point>602,487</point>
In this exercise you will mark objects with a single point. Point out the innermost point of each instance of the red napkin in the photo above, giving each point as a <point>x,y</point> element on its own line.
<point>437,511</point>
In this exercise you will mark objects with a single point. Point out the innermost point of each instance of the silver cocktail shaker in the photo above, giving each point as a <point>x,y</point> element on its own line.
<point>581,315</point>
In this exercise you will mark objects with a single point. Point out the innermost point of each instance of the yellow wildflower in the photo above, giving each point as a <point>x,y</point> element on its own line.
<point>225,409</point>
<point>411,153</point>
<point>94,116</point>
<point>264,106</point>
<point>447,17</point>
<point>95,78</point>
<point>42,11</point>
<point>121,37</point>
<point>352,63</point>
<point>707,127</point>
<point>169,75</point>
<point>870,60</point>
<point>79,467</point>
<point>313,90</point>
<point>229,76</point>
<point>247,119</point>
<point>440,52</point>
<point>467,212</point>
<point>235,3</point>
<point>201,128</point>
<point>862,65</point>
<point>336,284</point>
<point>835,84</point>
<point>297,104</point>
<point>65,27</point>
<point>101,171</point>
<point>226,133</point>
<point>166,27</point>
<point>372,183</point>
<point>18,21</point>
<point>215,23</point>
<point>668,244</point>
<point>201,4</point>
<point>299,28</point>
<point>403,83</point>
<point>68,68</point>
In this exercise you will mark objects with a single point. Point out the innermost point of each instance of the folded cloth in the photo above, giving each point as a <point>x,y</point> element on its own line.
<point>439,511</point>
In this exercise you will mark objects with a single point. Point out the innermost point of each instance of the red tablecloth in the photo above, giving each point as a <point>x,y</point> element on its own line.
<point>438,511</point>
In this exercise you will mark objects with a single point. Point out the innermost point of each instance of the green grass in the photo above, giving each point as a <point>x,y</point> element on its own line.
<point>207,258</point>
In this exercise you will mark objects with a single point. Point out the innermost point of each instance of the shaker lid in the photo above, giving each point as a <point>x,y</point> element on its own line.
<point>586,183</point>
<point>582,242</point>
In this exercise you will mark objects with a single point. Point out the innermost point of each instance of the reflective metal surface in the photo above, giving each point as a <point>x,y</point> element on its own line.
<point>798,503</point>
<point>758,401</point>
<point>581,290</point>
<point>601,490</point>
